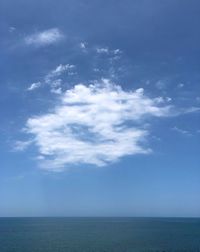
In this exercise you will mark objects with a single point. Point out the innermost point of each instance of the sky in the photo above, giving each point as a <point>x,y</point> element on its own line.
<point>100,108</point>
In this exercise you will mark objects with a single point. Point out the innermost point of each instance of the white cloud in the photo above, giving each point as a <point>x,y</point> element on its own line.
<point>181,131</point>
<point>180,85</point>
<point>12,29</point>
<point>46,37</point>
<point>59,71</point>
<point>21,145</point>
<point>190,110</point>
<point>102,50</point>
<point>117,51</point>
<point>160,84</point>
<point>95,124</point>
<point>34,85</point>
<point>56,91</point>
<point>105,50</point>
<point>52,78</point>
<point>83,46</point>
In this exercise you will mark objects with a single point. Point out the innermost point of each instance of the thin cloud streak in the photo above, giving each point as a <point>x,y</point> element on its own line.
<point>53,78</point>
<point>47,37</point>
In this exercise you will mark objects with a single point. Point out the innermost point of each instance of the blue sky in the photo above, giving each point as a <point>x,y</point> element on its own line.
<point>100,105</point>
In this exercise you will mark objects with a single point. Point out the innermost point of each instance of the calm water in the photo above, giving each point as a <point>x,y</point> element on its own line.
<point>99,234</point>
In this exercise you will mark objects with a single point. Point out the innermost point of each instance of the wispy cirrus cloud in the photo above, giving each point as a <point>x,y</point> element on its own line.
<point>102,50</point>
<point>106,50</point>
<point>182,131</point>
<point>94,124</point>
<point>34,86</point>
<point>59,70</point>
<point>53,78</point>
<point>46,37</point>
<point>161,84</point>
<point>21,145</point>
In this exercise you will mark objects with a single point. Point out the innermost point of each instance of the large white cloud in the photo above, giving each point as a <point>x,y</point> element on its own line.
<point>46,37</point>
<point>94,124</point>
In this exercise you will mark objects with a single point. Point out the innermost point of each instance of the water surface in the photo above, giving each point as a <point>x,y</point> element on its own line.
<point>99,234</point>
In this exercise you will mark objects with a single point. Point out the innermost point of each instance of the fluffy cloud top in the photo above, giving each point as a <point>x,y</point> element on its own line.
<point>95,124</point>
<point>46,37</point>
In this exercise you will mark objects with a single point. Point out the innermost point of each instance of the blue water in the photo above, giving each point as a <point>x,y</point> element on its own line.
<point>99,234</point>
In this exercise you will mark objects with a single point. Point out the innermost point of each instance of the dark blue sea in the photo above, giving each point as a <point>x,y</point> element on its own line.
<point>99,234</point>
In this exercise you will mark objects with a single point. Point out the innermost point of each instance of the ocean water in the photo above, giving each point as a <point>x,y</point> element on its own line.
<point>99,234</point>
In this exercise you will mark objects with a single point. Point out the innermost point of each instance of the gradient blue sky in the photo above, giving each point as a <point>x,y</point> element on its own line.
<point>100,108</point>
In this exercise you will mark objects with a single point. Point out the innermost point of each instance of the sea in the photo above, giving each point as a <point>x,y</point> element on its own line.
<point>99,234</point>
